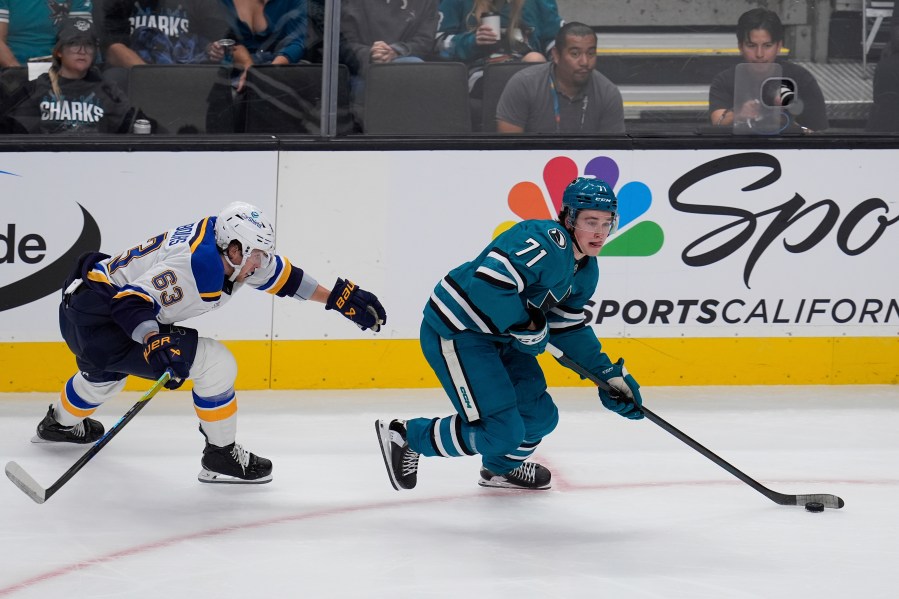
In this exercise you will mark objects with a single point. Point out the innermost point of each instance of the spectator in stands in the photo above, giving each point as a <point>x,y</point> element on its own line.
<point>382,31</point>
<point>139,32</point>
<point>884,115</point>
<point>28,28</point>
<point>527,32</point>
<point>72,98</point>
<point>270,31</point>
<point>266,31</point>
<point>315,38</point>
<point>760,36</point>
<point>566,96</point>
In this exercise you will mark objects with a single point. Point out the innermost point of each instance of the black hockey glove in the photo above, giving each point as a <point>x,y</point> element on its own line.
<point>162,351</point>
<point>623,395</point>
<point>528,341</point>
<point>358,305</point>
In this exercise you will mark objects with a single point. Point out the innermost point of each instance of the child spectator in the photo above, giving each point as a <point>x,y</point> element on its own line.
<point>72,98</point>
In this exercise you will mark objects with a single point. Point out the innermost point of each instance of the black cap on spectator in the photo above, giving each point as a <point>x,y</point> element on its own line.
<point>77,30</point>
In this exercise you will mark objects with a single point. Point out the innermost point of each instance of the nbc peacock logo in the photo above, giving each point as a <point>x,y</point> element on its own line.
<point>635,238</point>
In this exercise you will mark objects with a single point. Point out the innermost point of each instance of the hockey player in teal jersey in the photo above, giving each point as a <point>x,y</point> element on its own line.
<point>483,328</point>
<point>120,315</point>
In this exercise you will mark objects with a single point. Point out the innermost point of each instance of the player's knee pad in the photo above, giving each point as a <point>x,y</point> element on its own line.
<point>81,397</point>
<point>500,433</point>
<point>542,419</point>
<point>92,391</point>
<point>214,369</point>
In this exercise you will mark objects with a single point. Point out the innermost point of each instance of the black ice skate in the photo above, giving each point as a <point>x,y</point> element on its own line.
<point>530,475</point>
<point>401,462</point>
<point>233,464</point>
<point>51,431</point>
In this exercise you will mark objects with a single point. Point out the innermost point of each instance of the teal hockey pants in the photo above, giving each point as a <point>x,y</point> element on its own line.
<point>499,393</point>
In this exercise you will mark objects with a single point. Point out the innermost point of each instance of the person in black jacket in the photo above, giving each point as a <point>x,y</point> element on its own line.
<point>72,97</point>
<point>760,36</point>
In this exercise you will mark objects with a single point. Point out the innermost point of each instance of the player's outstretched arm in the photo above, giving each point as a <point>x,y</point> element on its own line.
<point>356,304</point>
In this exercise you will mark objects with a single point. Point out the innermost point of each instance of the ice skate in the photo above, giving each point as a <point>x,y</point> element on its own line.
<point>530,475</point>
<point>233,464</point>
<point>51,431</point>
<point>401,462</point>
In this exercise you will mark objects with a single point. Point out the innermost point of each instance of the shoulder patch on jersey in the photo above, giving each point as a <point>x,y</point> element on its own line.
<point>207,267</point>
<point>559,237</point>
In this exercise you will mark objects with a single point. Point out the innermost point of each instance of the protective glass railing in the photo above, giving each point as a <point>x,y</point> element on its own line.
<point>437,68</point>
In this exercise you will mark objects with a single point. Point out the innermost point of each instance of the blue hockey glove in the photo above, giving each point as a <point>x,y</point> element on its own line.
<point>358,305</point>
<point>162,351</point>
<point>528,341</point>
<point>623,395</point>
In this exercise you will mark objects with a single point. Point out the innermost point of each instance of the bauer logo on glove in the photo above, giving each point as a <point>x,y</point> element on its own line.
<point>164,351</point>
<point>157,343</point>
<point>358,305</point>
<point>345,294</point>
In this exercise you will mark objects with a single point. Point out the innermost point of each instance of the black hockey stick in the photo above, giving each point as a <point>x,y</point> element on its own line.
<point>830,501</point>
<point>30,487</point>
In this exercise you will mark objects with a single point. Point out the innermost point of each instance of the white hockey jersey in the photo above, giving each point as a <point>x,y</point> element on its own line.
<point>178,275</point>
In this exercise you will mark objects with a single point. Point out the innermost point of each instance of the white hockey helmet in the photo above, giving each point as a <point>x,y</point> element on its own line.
<point>246,224</point>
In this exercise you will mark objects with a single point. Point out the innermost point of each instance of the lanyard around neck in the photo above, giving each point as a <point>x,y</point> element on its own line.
<point>557,112</point>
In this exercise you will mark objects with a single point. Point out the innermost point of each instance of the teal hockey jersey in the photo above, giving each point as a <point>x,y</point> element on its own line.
<point>531,265</point>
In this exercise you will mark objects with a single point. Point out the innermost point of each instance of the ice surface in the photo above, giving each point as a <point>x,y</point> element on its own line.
<point>633,512</point>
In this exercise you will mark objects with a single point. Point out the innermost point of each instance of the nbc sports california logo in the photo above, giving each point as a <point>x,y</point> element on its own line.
<point>634,239</point>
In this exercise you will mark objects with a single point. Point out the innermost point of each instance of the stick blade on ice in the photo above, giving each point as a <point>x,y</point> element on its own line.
<point>828,501</point>
<point>24,481</point>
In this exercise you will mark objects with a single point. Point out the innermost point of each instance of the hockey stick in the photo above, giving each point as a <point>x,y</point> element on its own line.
<point>30,487</point>
<point>830,501</point>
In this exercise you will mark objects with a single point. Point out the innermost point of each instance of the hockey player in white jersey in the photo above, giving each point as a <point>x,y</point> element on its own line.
<point>484,325</point>
<point>120,316</point>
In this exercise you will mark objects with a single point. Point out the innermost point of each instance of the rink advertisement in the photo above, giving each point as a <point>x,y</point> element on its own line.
<point>710,244</point>
<point>57,206</point>
<point>723,259</point>
<point>782,260</point>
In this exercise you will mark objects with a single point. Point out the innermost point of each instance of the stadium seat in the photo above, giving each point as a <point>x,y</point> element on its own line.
<point>11,79</point>
<point>495,78</point>
<point>874,14</point>
<point>417,98</point>
<point>288,99</point>
<point>183,98</point>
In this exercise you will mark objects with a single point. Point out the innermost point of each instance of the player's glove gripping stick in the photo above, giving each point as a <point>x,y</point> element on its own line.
<point>532,341</point>
<point>623,395</point>
<point>162,351</point>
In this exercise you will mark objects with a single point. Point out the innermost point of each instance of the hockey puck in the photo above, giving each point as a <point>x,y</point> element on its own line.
<point>814,506</point>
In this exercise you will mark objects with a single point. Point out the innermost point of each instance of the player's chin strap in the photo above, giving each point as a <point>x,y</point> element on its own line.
<point>569,224</point>
<point>237,267</point>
